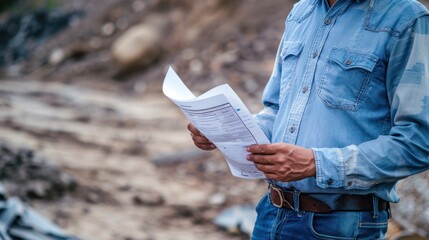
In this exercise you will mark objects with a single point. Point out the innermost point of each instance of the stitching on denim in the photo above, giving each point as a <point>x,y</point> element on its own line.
<point>387,125</point>
<point>363,89</point>
<point>319,174</point>
<point>369,55</point>
<point>357,225</point>
<point>274,225</point>
<point>305,15</point>
<point>423,12</point>
<point>291,78</point>
<point>359,96</point>
<point>394,32</point>
<point>343,169</point>
<point>279,224</point>
<point>346,6</point>
<point>373,225</point>
<point>324,236</point>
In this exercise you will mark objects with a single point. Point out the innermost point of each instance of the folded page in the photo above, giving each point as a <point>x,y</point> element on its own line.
<point>223,118</point>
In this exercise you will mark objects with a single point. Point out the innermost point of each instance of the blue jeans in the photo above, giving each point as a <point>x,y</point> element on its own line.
<point>275,223</point>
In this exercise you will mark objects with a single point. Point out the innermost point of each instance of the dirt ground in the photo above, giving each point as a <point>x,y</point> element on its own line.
<point>108,140</point>
<point>139,175</point>
<point>116,133</point>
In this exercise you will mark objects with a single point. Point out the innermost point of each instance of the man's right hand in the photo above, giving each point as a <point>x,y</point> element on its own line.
<point>199,139</point>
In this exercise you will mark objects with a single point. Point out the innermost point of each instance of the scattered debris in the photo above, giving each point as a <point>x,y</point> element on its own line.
<point>95,195</point>
<point>28,175</point>
<point>22,222</point>
<point>237,219</point>
<point>20,34</point>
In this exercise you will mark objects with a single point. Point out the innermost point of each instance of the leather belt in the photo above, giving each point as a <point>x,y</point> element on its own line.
<point>346,202</point>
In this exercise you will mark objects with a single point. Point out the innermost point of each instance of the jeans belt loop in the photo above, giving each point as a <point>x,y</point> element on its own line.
<point>375,206</point>
<point>296,200</point>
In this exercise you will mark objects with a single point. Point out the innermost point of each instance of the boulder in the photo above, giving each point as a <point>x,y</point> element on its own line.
<point>141,45</point>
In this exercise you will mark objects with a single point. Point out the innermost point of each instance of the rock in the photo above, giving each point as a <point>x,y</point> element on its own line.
<point>92,197</point>
<point>27,174</point>
<point>148,198</point>
<point>217,199</point>
<point>37,189</point>
<point>62,214</point>
<point>140,46</point>
<point>95,43</point>
<point>196,66</point>
<point>240,218</point>
<point>125,188</point>
<point>136,148</point>
<point>57,56</point>
<point>184,211</point>
<point>138,6</point>
<point>108,29</point>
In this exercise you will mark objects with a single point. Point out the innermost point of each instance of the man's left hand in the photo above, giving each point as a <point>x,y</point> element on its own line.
<point>283,162</point>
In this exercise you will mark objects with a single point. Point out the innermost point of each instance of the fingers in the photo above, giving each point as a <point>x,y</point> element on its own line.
<point>265,149</point>
<point>206,147</point>
<point>264,164</point>
<point>261,159</point>
<point>202,143</point>
<point>194,130</point>
<point>199,139</point>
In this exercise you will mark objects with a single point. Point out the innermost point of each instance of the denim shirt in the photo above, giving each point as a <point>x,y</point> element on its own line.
<point>351,82</point>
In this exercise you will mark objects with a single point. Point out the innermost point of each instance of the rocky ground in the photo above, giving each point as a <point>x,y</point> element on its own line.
<point>119,148</point>
<point>98,119</point>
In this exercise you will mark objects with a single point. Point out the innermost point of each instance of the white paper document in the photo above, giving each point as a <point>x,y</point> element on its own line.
<point>223,118</point>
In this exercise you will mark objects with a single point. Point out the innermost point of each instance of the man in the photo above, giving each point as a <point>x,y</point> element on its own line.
<point>347,111</point>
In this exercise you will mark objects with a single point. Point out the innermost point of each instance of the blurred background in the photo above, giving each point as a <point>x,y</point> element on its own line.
<point>88,139</point>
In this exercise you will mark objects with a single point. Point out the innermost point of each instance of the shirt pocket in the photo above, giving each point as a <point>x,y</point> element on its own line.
<point>289,55</point>
<point>346,78</point>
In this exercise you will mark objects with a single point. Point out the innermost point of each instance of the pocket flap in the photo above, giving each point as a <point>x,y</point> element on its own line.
<point>350,59</point>
<point>291,48</point>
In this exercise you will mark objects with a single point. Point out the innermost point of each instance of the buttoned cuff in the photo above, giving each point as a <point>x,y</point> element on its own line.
<point>338,168</point>
<point>330,167</point>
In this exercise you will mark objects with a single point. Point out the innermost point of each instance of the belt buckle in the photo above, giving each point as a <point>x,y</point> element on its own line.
<point>279,192</point>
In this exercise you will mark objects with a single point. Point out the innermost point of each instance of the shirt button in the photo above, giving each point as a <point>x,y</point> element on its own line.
<point>304,89</point>
<point>348,61</point>
<point>315,54</point>
<point>330,182</point>
<point>328,21</point>
<point>292,129</point>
